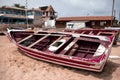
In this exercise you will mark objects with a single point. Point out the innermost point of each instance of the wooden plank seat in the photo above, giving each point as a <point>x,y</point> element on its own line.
<point>81,55</point>
<point>25,38</point>
<point>40,46</point>
<point>68,47</point>
<point>82,49</point>
<point>53,41</point>
<point>86,32</point>
<point>68,40</point>
<point>89,56</point>
<point>92,40</point>
<point>82,32</point>
<point>52,34</point>
<point>106,33</point>
<point>41,34</point>
<point>72,52</point>
<point>91,32</point>
<point>84,53</point>
<point>38,41</point>
<point>45,40</point>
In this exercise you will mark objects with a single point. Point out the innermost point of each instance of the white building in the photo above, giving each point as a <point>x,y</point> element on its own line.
<point>75,25</point>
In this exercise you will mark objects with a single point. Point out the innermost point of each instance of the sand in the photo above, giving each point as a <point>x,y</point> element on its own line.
<point>14,65</point>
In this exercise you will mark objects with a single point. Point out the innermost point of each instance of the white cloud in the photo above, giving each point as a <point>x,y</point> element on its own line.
<point>71,7</point>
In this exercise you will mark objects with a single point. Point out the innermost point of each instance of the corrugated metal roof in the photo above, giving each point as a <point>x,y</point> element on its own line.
<point>86,18</point>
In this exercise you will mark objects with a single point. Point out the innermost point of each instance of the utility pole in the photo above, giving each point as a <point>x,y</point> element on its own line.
<point>113,3</point>
<point>26,13</point>
<point>119,17</point>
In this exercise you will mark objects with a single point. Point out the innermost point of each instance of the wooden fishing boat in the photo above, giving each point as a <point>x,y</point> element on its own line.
<point>99,32</point>
<point>80,51</point>
<point>16,35</point>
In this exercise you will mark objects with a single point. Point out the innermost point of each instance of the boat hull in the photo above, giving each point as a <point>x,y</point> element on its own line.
<point>97,64</point>
<point>22,34</point>
<point>97,67</point>
<point>103,32</point>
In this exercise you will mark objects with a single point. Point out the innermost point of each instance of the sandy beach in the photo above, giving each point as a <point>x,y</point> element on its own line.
<point>14,65</point>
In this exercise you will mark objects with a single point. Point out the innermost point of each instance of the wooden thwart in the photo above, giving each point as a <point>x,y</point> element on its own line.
<point>67,48</point>
<point>38,41</point>
<point>105,33</point>
<point>25,38</point>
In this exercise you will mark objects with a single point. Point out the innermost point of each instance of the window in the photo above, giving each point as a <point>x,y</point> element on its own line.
<point>102,23</point>
<point>43,13</point>
<point>30,13</point>
<point>93,23</point>
<point>70,25</point>
<point>2,12</point>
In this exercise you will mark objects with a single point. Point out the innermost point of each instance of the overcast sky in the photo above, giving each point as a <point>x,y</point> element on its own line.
<point>72,7</point>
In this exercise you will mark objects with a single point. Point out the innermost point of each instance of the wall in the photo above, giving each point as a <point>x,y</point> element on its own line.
<point>60,24</point>
<point>75,25</point>
<point>3,27</point>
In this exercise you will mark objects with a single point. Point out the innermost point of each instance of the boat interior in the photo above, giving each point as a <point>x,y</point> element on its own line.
<point>61,44</point>
<point>19,35</point>
<point>94,32</point>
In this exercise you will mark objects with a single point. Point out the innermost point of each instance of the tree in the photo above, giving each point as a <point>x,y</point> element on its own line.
<point>19,6</point>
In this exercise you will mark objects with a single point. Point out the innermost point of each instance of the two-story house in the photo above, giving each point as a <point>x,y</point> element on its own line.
<point>42,16</point>
<point>13,16</point>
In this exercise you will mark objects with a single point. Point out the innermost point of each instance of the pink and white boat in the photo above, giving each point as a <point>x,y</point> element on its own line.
<point>99,32</point>
<point>89,52</point>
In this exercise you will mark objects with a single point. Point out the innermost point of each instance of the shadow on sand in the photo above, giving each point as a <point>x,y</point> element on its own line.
<point>106,74</point>
<point>117,45</point>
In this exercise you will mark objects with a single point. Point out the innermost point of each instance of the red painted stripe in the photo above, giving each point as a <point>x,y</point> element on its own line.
<point>64,63</point>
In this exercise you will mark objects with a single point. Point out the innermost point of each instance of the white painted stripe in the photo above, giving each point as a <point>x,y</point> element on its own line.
<point>59,60</point>
<point>82,67</point>
<point>69,46</point>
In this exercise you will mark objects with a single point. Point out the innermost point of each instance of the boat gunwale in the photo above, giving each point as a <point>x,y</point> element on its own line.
<point>59,56</point>
<point>84,39</point>
<point>80,66</point>
<point>73,56</point>
<point>86,60</point>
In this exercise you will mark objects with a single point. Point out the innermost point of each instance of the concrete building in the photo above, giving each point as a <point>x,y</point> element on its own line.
<point>43,16</point>
<point>88,21</point>
<point>13,16</point>
<point>75,24</point>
